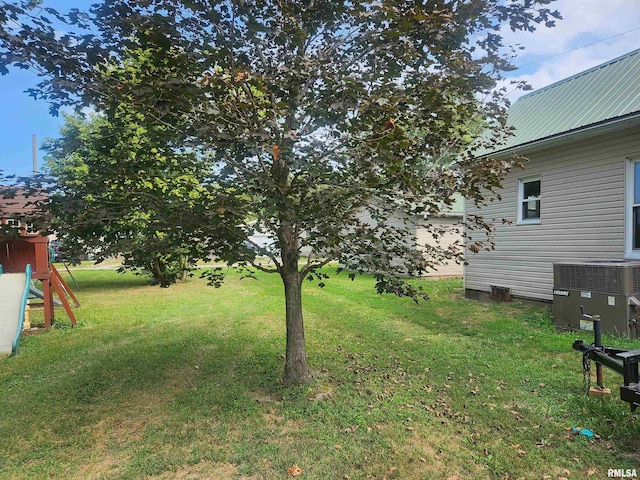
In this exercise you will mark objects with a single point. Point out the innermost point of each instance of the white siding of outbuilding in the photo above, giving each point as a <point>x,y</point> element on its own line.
<point>421,235</point>
<point>582,215</point>
<point>396,221</point>
<point>265,239</point>
<point>424,237</point>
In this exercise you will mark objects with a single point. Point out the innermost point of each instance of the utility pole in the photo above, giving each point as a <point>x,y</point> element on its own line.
<point>34,145</point>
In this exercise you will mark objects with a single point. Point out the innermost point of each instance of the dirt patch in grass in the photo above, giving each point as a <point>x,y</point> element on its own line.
<point>279,425</point>
<point>201,471</point>
<point>432,454</point>
<point>264,396</point>
<point>321,392</point>
<point>117,432</point>
<point>272,419</point>
<point>101,465</point>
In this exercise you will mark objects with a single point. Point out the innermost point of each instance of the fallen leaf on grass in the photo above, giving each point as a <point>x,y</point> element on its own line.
<point>338,447</point>
<point>591,471</point>
<point>522,452</point>
<point>294,471</point>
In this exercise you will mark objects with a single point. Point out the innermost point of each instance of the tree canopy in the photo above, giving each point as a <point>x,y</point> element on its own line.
<point>153,212</point>
<point>313,112</point>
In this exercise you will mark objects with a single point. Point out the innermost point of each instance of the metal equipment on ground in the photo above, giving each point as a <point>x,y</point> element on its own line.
<point>612,288</point>
<point>624,362</point>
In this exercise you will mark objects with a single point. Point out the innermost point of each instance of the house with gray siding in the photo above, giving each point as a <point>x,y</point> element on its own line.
<point>578,198</point>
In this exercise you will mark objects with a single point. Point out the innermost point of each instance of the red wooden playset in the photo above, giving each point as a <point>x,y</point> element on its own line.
<point>32,248</point>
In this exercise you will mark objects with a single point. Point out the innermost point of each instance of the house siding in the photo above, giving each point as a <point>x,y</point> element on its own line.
<point>582,216</point>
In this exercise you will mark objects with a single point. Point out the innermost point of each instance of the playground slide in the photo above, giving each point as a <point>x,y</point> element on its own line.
<point>37,293</point>
<point>14,290</point>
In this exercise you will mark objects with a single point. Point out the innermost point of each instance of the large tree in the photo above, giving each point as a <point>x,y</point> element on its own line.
<point>155,212</point>
<point>317,112</point>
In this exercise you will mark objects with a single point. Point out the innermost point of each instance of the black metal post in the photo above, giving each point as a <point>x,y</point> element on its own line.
<point>597,333</point>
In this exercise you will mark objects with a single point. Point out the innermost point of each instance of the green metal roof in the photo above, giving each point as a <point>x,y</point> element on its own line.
<point>600,95</point>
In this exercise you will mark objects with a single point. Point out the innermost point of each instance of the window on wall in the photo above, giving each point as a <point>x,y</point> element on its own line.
<point>636,205</point>
<point>529,190</point>
<point>633,208</point>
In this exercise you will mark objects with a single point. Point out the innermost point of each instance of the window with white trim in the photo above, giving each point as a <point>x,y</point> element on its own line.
<point>633,209</point>
<point>529,194</point>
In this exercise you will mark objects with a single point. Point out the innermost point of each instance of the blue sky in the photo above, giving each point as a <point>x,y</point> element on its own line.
<point>589,34</point>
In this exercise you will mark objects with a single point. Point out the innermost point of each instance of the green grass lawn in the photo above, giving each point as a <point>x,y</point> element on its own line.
<point>183,383</point>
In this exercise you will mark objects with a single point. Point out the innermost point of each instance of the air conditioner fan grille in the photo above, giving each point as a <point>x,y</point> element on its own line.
<point>593,278</point>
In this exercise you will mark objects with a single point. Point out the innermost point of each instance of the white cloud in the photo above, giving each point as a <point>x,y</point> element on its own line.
<point>584,21</point>
<point>574,45</point>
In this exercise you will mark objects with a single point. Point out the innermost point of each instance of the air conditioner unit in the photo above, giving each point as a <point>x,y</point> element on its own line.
<point>607,288</point>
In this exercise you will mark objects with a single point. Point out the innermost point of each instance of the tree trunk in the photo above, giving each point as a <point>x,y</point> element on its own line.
<point>296,371</point>
<point>184,272</point>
